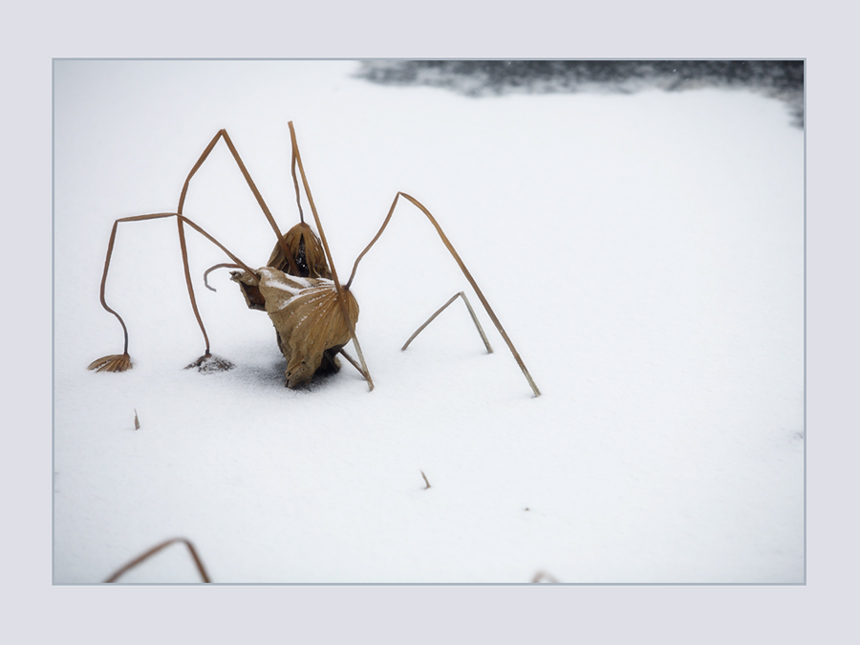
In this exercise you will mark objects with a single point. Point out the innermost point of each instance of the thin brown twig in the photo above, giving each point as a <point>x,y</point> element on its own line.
<point>223,265</point>
<point>461,294</point>
<point>296,185</point>
<point>353,362</point>
<point>152,216</point>
<point>187,270</point>
<point>222,134</point>
<point>341,299</point>
<point>463,268</point>
<point>148,554</point>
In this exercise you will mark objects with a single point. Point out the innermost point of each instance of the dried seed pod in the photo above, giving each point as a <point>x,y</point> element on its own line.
<point>307,251</point>
<point>308,318</point>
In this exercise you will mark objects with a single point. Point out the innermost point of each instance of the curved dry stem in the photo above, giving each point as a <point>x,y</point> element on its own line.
<point>295,179</point>
<point>463,268</point>
<point>222,134</point>
<point>297,159</point>
<point>224,265</point>
<point>461,294</point>
<point>181,219</point>
<point>151,552</point>
<point>188,283</point>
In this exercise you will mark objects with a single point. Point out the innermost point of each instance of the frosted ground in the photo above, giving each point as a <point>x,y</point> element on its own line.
<point>644,252</point>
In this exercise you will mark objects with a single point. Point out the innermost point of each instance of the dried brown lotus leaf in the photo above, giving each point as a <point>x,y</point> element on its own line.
<point>308,318</point>
<point>112,363</point>
<point>307,251</point>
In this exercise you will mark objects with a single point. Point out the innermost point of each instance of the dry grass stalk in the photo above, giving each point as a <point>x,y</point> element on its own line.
<point>353,362</point>
<point>425,480</point>
<point>462,295</point>
<point>151,552</point>
<point>136,420</point>
<point>342,300</point>
<point>463,268</point>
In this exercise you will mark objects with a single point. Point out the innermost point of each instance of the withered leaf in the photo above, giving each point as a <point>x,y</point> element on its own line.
<point>308,317</point>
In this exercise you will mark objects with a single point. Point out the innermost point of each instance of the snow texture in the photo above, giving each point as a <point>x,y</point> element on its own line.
<point>644,252</point>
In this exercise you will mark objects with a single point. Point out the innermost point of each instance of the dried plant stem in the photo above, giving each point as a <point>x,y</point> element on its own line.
<point>295,179</point>
<point>463,268</point>
<point>224,265</point>
<point>155,550</point>
<point>181,219</point>
<point>188,283</point>
<point>462,295</point>
<point>297,159</point>
<point>222,134</point>
<point>353,362</point>
<point>425,480</point>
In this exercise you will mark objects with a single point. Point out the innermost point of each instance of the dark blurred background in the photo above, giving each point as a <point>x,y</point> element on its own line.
<point>782,79</point>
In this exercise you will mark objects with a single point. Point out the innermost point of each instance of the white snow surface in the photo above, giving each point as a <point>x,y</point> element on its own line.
<point>644,252</point>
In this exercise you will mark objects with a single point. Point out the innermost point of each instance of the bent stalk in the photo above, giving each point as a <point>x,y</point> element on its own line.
<point>341,299</point>
<point>463,268</point>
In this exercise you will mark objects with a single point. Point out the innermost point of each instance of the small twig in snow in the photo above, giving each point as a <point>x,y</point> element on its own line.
<point>543,575</point>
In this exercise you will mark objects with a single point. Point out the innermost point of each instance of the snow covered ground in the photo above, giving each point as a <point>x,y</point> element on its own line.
<point>644,252</point>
